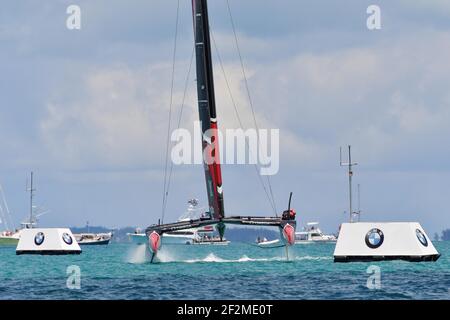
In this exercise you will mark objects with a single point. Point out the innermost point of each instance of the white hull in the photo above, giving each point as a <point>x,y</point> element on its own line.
<point>271,244</point>
<point>47,241</point>
<point>367,241</point>
<point>9,239</point>
<point>313,234</point>
<point>138,238</point>
<point>176,239</point>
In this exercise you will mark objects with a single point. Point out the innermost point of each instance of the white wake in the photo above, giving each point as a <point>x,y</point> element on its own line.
<point>140,254</point>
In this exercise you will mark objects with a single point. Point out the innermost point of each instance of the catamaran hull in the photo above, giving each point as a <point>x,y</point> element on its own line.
<point>288,233</point>
<point>154,242</point>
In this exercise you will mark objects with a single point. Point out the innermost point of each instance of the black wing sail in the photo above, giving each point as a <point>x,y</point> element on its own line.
<point>207,109</point>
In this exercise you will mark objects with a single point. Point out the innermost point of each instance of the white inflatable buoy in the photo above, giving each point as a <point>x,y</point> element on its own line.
<point>373,241</point>
<point>47,241</point>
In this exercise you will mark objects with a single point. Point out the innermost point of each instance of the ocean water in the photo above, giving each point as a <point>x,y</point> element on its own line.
<point>237,271</point>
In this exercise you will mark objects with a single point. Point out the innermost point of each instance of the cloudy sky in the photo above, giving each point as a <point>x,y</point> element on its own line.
<point>87,110</point>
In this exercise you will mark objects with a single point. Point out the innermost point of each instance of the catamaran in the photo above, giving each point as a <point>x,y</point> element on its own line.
<point>215,215</point>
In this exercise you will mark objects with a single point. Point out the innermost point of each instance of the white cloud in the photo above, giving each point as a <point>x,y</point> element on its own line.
<point>381,98</point>
<point>436,6</point>
<point>119,119</point>
<point>378,98</point>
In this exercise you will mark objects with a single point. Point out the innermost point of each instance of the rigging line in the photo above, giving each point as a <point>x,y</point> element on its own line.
<point>242,65</point>
<point>179,120</point>
<point>5,211</point>
<point>2,217</point>
<point>271,194</point>
<point>247,89</point>
<point>170,113</point>
<point>256,166</point>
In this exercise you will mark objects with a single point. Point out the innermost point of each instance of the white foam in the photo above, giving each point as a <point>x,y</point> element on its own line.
<point>138,254</point>
<point>165,256</point>
<point>211,257</point>
<point>312,258</point>
<point>244,258</point>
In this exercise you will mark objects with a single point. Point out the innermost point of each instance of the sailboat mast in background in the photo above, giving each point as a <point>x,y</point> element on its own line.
<point>349,164</point>
<point>32,190</point>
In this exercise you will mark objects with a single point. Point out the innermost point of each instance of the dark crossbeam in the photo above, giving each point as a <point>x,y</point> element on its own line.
<point>237,220</point>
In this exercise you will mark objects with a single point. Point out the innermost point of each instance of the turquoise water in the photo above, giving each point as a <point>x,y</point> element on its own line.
<point>237,271</point>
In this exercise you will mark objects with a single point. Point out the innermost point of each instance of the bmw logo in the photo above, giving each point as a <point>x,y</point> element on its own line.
<point>374,238</point>
<point>67,238</point>
<point>421,237</point>
<point>39,238</point>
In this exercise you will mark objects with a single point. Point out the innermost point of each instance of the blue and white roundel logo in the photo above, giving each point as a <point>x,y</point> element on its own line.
<point>39,238</point>
<point>374,238</point>
<point>67,238</point>
<point>421,237</point>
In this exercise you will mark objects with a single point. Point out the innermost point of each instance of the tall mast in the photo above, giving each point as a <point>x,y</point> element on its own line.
<point>207,109</point>
<point>349,164</point>
<point>31,199</point>
<point>359,202</point>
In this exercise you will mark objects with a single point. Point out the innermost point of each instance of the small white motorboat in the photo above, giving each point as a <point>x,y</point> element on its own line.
<point>264,243</point>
